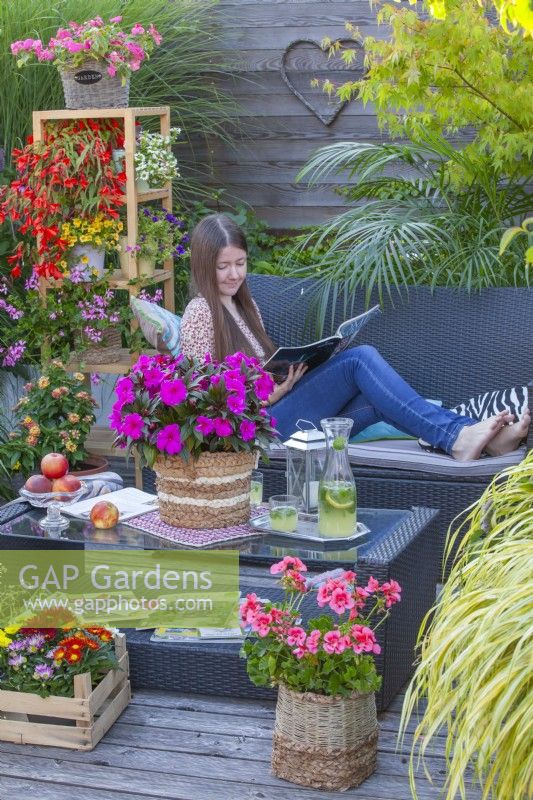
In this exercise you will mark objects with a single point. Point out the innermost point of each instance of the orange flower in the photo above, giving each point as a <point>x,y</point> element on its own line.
<point>102,633</point>
<point>73,656</point>
<point>73,642</point>
<point>59,653</point>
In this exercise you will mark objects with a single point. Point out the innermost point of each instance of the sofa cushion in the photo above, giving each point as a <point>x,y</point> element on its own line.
<point>160,327</point>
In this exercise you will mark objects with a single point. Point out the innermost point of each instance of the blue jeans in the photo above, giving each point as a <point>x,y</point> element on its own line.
<point>361,385</point>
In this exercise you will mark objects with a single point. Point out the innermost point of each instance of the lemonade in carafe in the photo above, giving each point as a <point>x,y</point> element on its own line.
<point>336,494</point>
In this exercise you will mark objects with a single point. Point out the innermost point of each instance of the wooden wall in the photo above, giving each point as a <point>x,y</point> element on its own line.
<point>277,131</point>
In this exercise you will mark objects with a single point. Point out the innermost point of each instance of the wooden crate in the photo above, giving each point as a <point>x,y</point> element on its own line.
<point>77,722</point>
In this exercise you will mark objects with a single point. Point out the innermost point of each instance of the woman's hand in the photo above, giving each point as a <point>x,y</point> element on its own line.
<point>293,376</point>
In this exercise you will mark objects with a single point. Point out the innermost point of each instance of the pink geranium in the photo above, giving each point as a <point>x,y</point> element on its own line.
<point>288,562</point>
<point>261,623</point>
<point>392,592</point>
<point>296,636</point>
<point>341,600</point>
<point>334,642</point>
<point>250,608</point>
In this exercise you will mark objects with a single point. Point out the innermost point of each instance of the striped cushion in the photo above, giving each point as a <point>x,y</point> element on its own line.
<point>160,327</point>
<point>489,404</point>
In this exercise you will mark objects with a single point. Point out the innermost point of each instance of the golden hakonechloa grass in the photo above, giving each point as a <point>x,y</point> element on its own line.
<point>476,651</point>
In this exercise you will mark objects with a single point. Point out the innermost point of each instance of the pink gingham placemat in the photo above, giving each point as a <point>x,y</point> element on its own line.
<point>152,523</point>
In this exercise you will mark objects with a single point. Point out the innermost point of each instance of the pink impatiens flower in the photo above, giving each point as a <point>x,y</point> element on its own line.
<point>247,430</point>
<point>173,392</point>
<point>204,425</point>
<point>236,403</point>
<point>223,427</point>
<point>264,386</point>
<point>132,426</point>
<point>125,391</point>
<point>169,439</point>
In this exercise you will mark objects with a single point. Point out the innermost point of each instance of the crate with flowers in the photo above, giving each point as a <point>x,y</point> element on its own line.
<point>161,236</point>
<point>61,686</point>
<point>89,238</point>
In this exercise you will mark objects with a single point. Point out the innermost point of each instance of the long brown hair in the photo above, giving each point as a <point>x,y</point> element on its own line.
<point>210,235</point>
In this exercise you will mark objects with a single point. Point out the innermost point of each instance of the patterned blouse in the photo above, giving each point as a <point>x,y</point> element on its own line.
<point>197,335</point>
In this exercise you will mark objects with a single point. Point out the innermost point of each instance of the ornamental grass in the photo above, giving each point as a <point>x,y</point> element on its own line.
<point>475,665</point>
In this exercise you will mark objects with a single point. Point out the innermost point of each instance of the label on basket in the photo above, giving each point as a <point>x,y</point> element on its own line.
<point>88,76</point>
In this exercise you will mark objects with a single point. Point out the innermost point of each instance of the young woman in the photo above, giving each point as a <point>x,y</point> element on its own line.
<point>222,318</point>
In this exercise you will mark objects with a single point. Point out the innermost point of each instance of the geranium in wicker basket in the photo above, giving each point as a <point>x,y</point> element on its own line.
<point>200,425</point>
<point>326,730</point>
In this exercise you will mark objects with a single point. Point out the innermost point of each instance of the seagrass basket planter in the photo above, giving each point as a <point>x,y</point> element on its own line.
<point>90,86</point>
<point>108,351</point>
<point>78,722</point>
<point>211,491</point>
<point>324,742</point>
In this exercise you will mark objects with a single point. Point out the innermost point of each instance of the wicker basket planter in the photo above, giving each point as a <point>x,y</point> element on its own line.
<point>77,722</point>
<point>324,742</point>
<point>212,491</point>
<point>108,351</point>
<point>90,86</point>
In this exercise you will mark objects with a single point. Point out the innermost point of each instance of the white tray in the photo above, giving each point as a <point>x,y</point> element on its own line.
<point>308,531</point>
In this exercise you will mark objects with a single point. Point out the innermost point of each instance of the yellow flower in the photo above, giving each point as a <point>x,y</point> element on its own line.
<point>27,421</point>
<point>76,222</point>
<point>84,238</point>
<point>11,629</point>
<point>17,466</point>
<point>71,446</point>
<point>4,639</point>
<point>43,383</point>
<point>84,259</point>
<point>79,376</point>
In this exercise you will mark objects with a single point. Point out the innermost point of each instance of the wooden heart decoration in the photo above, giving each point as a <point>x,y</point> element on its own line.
<point>305,60</point>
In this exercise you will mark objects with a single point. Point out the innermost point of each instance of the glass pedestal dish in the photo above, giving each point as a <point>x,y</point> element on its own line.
<point>53,522</point>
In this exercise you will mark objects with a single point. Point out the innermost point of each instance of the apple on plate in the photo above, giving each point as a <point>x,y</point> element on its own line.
<point>104,514</point>
<point>68,483</point>
<point>54,465</point>
<point>38,484</point>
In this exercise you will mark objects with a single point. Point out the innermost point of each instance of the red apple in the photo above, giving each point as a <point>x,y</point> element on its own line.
<point>54,465</point>
<point>68,483</point>
<point>38,484</point>
<point>104,514</point>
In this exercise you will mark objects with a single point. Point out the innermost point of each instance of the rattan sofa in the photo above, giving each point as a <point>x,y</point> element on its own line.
<point>449,344</point>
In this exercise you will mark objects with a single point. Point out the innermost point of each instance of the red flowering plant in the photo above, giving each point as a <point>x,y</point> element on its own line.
<point>45,660</point>
<point>69,173</point>
<point>332,654</point>
<point>186,406</point>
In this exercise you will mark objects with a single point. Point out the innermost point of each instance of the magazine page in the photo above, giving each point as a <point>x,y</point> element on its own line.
<point>349,330</point>
<point>311,354</point>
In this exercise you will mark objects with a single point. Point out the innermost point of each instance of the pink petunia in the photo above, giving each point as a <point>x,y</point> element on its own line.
<point>204,425</point>
<point>288,562</point>
<point>223,427</point>
<point>169,439</point>
<point>247,430</point>
<point>133,425</point>
<point>236,403</point>
<point>173,392</point>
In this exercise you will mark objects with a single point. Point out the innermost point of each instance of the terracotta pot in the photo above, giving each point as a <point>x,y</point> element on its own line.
<point>92,465</point>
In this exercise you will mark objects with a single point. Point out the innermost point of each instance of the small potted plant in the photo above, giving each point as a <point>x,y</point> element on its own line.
<point>326,730</point>
<point>155,163</point>
<point>162,236</point>
<point>200,425</point>
<point>95,59</point>
<point>54,414</point>
<point>89,239</point>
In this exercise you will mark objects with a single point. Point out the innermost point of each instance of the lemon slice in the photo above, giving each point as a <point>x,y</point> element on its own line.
<point>335,503</point>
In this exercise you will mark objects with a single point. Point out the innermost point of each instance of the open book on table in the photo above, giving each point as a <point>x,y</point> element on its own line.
<point>316,353</point>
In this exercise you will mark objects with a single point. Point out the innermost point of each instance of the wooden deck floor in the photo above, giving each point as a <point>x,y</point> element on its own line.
<point>176,747</point>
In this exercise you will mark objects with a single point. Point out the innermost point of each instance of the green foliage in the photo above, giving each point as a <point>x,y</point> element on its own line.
<point>419,228</point>
<point>178,74</point>
<point>54,415</point>
<point>475,665</point>
<point>460,73</point>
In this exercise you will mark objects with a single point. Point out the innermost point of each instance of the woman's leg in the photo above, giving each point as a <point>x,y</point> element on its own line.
<point>359,383</point>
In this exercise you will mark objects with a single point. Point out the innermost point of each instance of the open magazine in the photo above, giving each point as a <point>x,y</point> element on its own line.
<point>316,353</point>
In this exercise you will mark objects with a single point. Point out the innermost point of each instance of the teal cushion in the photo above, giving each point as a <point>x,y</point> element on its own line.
<point>382,430</point>
<point>160,327</point>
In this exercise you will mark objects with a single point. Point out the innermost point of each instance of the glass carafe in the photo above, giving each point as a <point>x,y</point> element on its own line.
<point>337,499</point>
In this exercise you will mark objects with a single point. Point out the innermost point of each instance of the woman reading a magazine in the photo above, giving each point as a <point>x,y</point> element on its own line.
<point>358,383</point>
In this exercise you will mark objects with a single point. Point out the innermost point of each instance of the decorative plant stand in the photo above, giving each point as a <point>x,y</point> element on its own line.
<point>77,722</point>
<point>101,440</point>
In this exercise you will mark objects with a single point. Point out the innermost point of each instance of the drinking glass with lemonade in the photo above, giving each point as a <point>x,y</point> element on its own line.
<point>284,512</point>
<point>256,488</point>
<point>337,498</point>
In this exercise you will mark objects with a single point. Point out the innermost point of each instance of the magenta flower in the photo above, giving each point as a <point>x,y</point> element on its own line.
<point>137,29</point>
<point>247,430</point>
<point>169,439</point>
<point>173,392</point>
<point>264,386</point>
<point>340,600</point>
<point>223,427</point>
<point>115,418</point>
<point>235,381</point>
<point>125,391</point>
<point>133,425</point>
<point>335,642</point>
<point>236,403</point>
<point>312,640</point>
<point>153,378</point>
<point>204,425</point>
<point>288,562</point>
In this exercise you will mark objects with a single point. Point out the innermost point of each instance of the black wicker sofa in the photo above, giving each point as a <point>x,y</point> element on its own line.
<point>449,344</point>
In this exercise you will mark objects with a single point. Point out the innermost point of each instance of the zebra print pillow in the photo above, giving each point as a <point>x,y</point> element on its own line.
<point>486,405</point>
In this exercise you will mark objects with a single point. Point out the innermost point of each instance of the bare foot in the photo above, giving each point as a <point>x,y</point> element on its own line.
<point>510,436</point>
<point>473,439</point>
